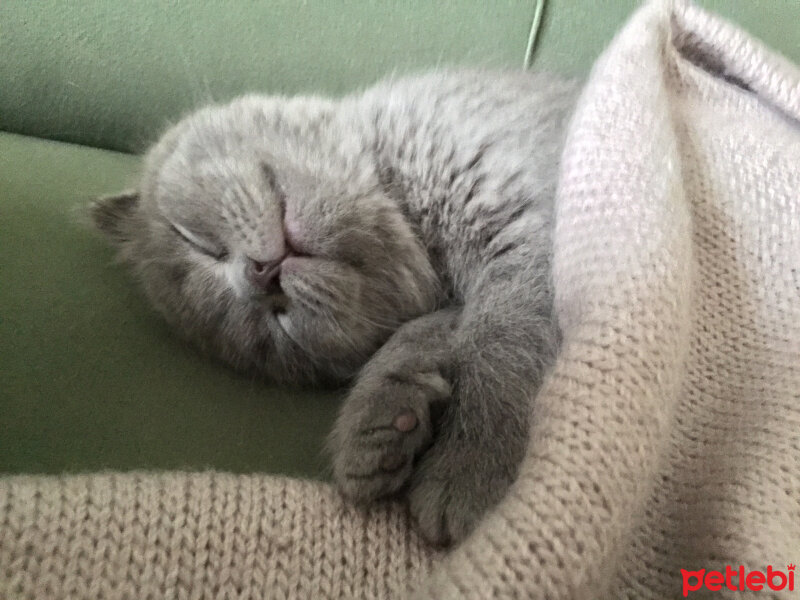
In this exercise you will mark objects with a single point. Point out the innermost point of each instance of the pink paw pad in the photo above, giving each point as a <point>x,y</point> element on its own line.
<point>405,421</point>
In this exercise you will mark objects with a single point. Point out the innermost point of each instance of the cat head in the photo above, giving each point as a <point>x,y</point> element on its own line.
<point>260,232</point>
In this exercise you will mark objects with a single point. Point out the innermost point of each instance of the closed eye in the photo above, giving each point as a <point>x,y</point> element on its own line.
<point>199,243</point>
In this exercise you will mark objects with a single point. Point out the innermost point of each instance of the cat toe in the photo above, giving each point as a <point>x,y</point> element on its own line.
<point>384,426</point>
<point>377,461</point>
<point>450,492</point>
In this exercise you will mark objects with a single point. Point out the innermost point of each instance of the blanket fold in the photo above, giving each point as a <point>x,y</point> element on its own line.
<point>666,438</point>
<point>668,435</point>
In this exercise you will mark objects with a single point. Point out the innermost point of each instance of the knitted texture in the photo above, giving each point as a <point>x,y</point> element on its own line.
<point>667,436</point>
<point>204,535</point>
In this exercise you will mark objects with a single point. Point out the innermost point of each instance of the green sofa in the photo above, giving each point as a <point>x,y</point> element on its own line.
<point>90,378</point>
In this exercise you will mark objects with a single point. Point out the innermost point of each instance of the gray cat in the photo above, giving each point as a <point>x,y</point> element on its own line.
<point>400,236</point>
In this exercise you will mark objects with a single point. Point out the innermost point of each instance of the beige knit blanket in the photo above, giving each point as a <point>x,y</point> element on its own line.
<point>667,437</point>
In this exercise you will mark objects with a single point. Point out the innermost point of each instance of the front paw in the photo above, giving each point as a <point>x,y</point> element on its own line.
<point>453,487</point>
<point>385,424</point>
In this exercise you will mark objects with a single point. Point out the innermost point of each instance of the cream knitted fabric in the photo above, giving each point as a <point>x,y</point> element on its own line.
<point>205,535</point>
<point>667,436</point>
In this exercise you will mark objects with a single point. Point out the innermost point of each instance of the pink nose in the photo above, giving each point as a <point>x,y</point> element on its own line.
<point>264,276</point>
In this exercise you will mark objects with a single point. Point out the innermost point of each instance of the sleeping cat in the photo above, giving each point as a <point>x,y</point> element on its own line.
<point>399,237</point>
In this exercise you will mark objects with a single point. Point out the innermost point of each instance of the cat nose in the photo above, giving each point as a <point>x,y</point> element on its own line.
<point>264,276</point>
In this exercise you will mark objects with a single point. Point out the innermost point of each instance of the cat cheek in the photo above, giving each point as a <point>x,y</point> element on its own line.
<point>285,322</point>
<point>232,276</point>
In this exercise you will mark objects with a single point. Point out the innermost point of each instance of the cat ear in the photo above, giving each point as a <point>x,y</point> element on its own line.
<point>115,215</point>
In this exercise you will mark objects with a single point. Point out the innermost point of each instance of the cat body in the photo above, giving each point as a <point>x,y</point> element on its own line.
<point>400,236</point>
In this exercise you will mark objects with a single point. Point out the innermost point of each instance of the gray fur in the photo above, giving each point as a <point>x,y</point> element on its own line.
<point>421,212</point>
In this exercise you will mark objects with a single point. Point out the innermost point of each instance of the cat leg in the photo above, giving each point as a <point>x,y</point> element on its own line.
<point>505,339</point>
<point>441,411</point>
<point>388,418</point>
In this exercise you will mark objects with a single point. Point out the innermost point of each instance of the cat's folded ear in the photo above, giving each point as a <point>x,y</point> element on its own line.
<point>115,215</point>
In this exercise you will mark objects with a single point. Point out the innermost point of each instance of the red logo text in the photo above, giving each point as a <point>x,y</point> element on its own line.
<point>739,579</point>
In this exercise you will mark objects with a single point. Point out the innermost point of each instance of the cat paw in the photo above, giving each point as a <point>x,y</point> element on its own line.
<point>385,424</point>
<point>451,489</point>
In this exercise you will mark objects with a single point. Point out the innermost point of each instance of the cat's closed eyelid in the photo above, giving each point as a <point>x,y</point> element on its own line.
<point>199,243</point>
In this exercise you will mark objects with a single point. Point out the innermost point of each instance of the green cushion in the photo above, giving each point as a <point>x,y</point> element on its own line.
<point>90,378</point>
<point>112,73</point>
